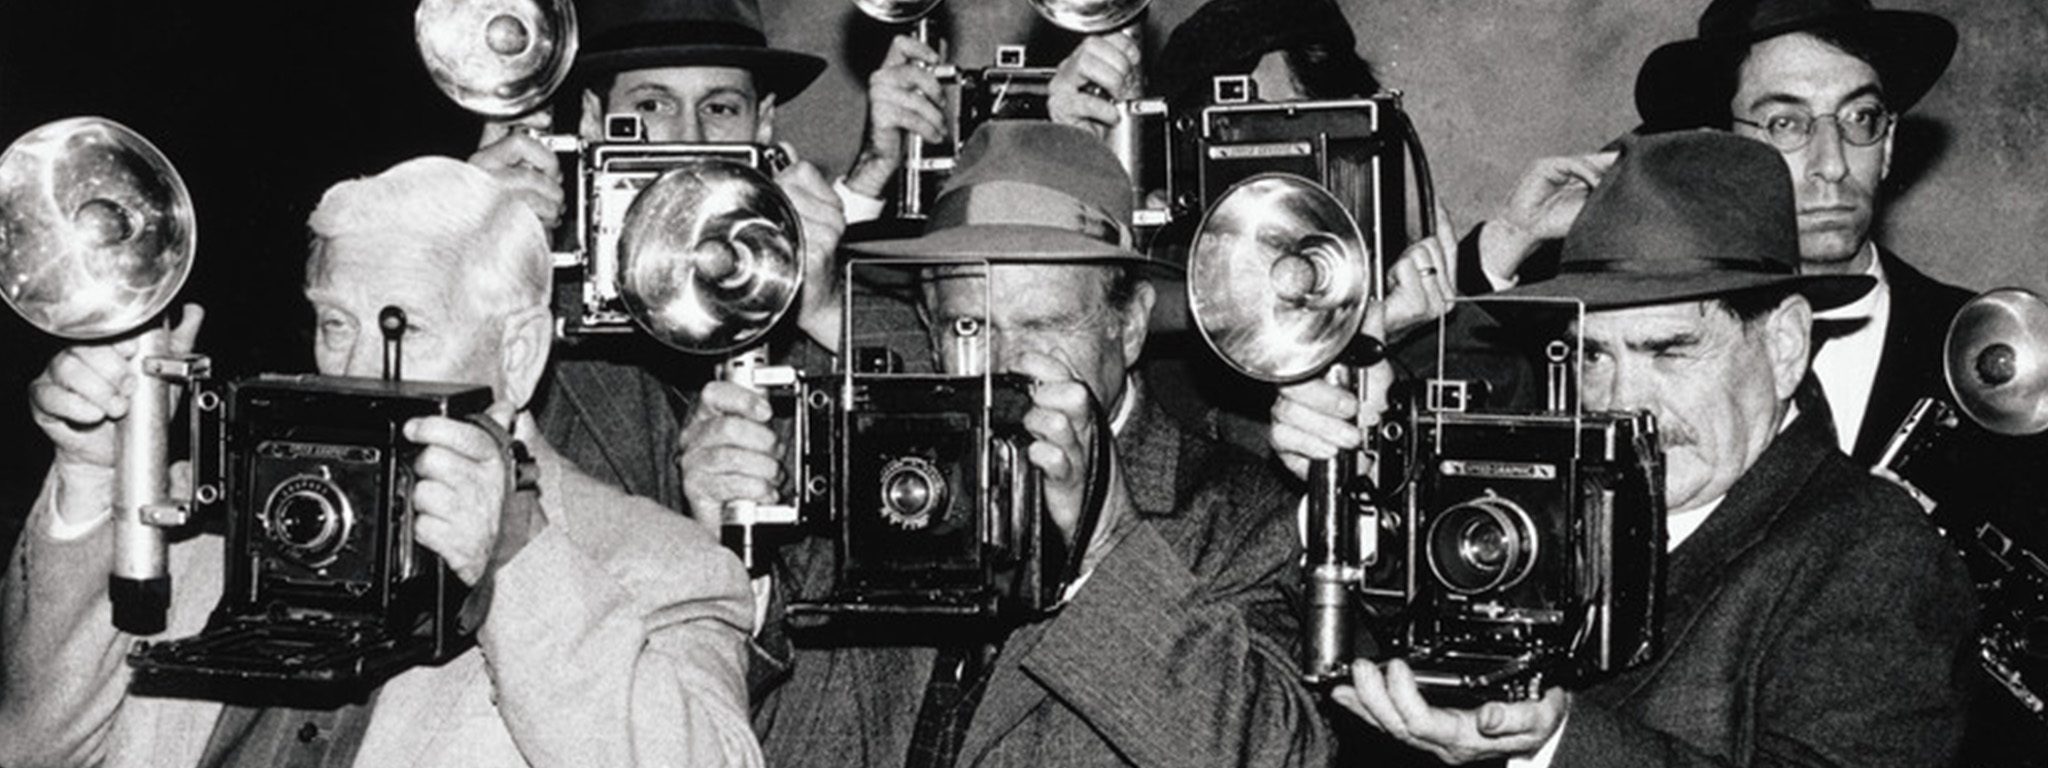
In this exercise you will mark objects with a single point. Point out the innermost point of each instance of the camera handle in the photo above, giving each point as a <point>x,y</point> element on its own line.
<point>749,368</point>
<point>1342,536</point>
<point>139,580</point>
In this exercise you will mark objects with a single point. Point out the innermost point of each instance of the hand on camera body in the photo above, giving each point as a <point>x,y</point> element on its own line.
<point>517,160</point>
<point>1388,699</point>
<point>80,400</point>
<point>461,479</point>
<point>1064,437</point>
<point>905,103</point>
<point>729,452</point>
<point>1102,70</point>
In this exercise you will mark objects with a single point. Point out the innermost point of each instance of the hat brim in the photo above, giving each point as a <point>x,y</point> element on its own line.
<point>1689,83</point>
<point>1016,243</point>
<point>781,73</point>
<point>1611,290</point>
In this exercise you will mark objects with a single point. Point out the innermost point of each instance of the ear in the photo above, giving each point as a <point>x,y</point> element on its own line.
<point>590,125</point>
<point>764,121</point>
<point>527,337</point>
<point>1886,169</point>
<point>1137,321</point>
<point>1788,336</point>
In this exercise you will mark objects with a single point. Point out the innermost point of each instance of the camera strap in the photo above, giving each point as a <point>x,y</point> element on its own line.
<point>520,518</point>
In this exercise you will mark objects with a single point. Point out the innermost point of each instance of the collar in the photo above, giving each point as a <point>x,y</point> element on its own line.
<point>1867,304</point>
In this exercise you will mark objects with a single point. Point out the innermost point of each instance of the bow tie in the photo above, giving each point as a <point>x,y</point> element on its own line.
<point>1828,328</point>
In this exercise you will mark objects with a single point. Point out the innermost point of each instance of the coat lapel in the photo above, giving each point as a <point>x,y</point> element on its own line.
<point>1910,366</point>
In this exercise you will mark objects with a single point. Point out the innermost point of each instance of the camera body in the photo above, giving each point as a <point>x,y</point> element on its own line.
<point>914,476</point>
<point>1011,90</point>
<point>1356,149</point>
<point>325,592</point>
<point>1528,551</point>
<point>922,484</point>
<point>609,176</point>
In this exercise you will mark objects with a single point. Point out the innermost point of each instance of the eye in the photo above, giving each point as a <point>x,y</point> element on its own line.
<point>1785,123</point>
<point>727,107</point>
<point>1862,115</point>
<point>334,329</point>
<point>654,106</point>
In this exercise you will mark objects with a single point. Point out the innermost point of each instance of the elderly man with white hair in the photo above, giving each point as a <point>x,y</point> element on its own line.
<point>616,631</point>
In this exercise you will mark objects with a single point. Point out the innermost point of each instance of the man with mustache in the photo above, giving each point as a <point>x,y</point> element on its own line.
<point>1811,615</point>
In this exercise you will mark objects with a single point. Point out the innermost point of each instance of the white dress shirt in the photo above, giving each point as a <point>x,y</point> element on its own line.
<point>1847,364</point>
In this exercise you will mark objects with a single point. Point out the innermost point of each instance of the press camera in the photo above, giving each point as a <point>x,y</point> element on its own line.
<point>917,474</point>
<point>609,176</point>
<point>1508,541</point>
<point>325,594</point>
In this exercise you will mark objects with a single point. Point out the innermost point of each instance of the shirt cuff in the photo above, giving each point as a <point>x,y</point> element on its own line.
<point>60,529</point>
<point>1543,756</point>
<point>857,207</point>
<point>763,587</point>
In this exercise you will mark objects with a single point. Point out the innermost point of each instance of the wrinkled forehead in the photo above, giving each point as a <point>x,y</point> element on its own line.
<point>386,270</point>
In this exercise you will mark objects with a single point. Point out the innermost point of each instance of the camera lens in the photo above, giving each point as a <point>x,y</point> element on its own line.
<point>308,518</point>
<point>1484,544</point>
<point>912,491</point>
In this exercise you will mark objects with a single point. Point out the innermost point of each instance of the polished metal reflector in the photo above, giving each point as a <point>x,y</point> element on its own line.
<point>1994,361</point>
<point>1089,16</point>
<point>1279,278</point>
<point>710,256</point>
<point>497,58</point>
<point>96,228</point>
<point>896,11</point>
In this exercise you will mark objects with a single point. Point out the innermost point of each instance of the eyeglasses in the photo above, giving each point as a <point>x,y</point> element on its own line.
<point>1861,125</point>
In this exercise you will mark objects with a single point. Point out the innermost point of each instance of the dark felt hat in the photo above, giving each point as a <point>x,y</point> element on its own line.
<point>1029,191</point>
<point>620,35</point>
<point>1688,84</point>
<point>1689,216</point>
<point>1226,33</point>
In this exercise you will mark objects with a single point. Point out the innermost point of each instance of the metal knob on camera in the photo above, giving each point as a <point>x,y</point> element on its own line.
<point>96,238</point>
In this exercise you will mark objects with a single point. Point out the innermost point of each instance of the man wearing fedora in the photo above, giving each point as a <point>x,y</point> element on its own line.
<point>1823,82</point>
<point>1175,645</point>
<point>1811,614</point>
<point>696,71</point>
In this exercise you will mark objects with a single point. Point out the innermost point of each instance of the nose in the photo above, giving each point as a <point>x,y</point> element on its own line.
<point>1826,151</point>
<point>365,358</point>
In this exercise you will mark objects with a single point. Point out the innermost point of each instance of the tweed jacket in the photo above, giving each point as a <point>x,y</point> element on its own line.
<point>1177,650</point>
<point>1816,618</point>
<point>616,636</point>
<point>617,421</point>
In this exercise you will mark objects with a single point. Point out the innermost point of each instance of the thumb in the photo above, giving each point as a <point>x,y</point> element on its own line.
<point>186,334</point>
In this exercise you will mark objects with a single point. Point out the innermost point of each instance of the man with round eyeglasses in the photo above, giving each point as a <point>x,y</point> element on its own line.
<point>1824,82</point>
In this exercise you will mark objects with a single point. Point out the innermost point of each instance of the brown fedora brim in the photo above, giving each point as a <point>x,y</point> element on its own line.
<point>782,73</point>
<point>1689,83</point>
<point>1612,290</point>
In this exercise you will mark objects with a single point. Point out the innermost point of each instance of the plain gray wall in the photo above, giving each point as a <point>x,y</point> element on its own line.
<point>1494,84</point>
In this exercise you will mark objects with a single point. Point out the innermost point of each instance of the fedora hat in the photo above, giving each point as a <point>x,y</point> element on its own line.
<point>622,35</point>
<point>1029,191</point>
<point>1688,216</point>
<point>1688,84</point>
